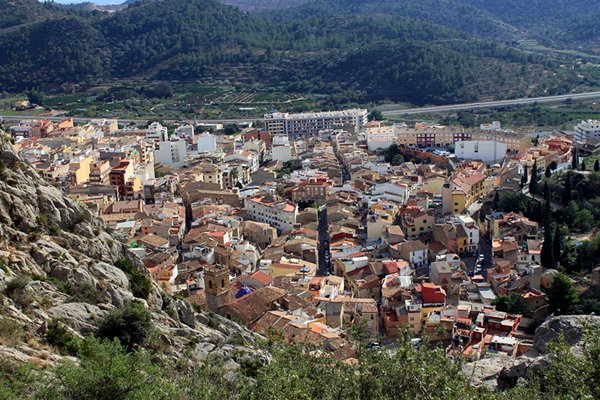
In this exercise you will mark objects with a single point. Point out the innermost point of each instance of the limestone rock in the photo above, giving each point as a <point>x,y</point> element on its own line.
<point>81,317</point>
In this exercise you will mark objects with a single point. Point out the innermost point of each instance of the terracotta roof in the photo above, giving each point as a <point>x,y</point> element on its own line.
<point>252,306</point>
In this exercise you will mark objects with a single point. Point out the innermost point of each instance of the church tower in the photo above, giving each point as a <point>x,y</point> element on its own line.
<point>216,287</point>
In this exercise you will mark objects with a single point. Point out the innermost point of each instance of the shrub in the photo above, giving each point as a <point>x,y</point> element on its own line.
<point>107,372</point>
<point>59,336</point>
<point>140,284</point>
<point>15,289</point>
<point>11,332</point>
<point>131,325</point>
<point>84,293</point>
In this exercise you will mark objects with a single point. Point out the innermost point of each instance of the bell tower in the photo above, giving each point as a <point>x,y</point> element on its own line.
<point>216,287</point>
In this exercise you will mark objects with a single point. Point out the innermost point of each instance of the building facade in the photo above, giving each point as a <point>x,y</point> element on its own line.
<point>307,124</point>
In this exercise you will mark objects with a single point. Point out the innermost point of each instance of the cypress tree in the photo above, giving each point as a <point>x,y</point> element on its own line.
<point>547,254</point>
<point>533,182</point>
<point>546,192</point>
<point>566,194</point>
<point>597,166</point>
<point>574,159</point>
<point>557,245</point>
<point>496,198</point>
<point>548,172</point>
<point>583,165</point>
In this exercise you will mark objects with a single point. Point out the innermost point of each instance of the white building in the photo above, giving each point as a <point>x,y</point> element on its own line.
<point>307,124</point>
<point>281,150</point>
<point>272,210</point>
<point>185,131</point>
<point>207,142</point>
<point>472,230</point>
<point>156,132</point>
<point>494,126</point>
<point>488,151</point>
<point>587,130</point>
<point>397,192</point>
<point>171,152</point>
<point>380,137</point>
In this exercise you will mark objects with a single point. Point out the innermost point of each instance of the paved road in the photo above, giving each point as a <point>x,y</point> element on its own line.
<point>494,104</point>
<point>423,110</point>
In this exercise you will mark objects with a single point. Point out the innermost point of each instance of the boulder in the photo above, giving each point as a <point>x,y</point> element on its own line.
<point>81,317</point>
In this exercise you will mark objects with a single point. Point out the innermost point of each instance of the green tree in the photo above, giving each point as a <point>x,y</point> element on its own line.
<point>567,194</point>
<point>512,303</point>
<point>106,372</point>
<point>574,159</point>
<point>231,129</point>
<point>162,90</point>
<point>375,115</point>
<point>496,198</point>
<point>140,284</point>
<point>398,159</point>
<point>130,324</point>
<point>562,296</point>
<point>35,97</point>
<point>547,253</point>
<point>557,245</point>
<point>548,172</point>
<point>533,183</point>
<point>583,167</point>
<point>597,166</point>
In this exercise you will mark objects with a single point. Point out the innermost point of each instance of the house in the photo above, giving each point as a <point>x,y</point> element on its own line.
<point>413,251</point>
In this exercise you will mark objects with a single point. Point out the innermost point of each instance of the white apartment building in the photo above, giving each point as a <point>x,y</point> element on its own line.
<point>587,130</point>
<point>207,142</point>
<point>171,152</point>
<point>156,132</point>
<point>272,210</point>
<point>307,124</point>
<point>488,151</point>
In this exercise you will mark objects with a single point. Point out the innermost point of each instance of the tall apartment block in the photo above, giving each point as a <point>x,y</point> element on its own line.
<point>587,130</point>
<point>308,124</point>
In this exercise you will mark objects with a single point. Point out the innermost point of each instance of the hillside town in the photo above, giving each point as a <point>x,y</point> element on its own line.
<point>321,222</point>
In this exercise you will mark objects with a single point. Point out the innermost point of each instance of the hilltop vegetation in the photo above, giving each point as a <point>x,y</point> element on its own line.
<point>360,55</point>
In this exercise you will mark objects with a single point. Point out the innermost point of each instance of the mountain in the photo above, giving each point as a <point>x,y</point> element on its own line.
<point>349,49</point>
<point>559,20</point>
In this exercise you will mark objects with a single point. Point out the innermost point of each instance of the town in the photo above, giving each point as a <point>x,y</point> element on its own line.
<point>315,223</point>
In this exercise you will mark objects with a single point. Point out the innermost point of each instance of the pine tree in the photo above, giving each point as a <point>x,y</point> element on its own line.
<point>574,159</point>
<point>533,182</point>
<point>583,165</point>
<point>562,296</point>
<point>547,254</point>
<point>597,166</point>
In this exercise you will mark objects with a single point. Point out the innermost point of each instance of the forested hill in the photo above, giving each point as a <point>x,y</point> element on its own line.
<point>559,20</point>
<point>313,48</point>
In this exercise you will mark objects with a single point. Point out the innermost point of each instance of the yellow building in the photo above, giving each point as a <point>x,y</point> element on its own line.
<point>461,190</point>
<point>80,171</point>
<point>291,267</point>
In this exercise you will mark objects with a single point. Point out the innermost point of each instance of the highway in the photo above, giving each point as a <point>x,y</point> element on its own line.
<point>494,104</point>
<point>422,110</point>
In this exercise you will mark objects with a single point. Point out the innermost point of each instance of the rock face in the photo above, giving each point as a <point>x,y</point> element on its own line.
<point>501,372</point>
<point>68,257</point>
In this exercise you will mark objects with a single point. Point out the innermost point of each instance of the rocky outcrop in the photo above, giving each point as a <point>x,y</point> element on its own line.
<point>65,258</point>
<point>501,371</point>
